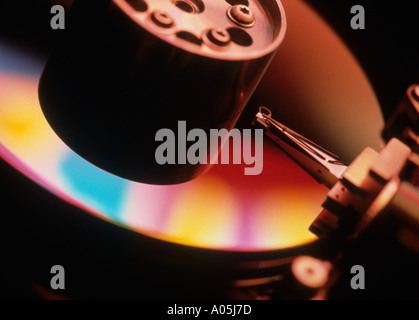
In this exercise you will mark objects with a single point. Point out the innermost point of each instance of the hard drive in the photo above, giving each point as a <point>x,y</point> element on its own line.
<point>85,197</point>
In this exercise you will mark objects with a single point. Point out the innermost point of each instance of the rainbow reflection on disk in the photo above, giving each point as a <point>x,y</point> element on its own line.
<point>221,210</point>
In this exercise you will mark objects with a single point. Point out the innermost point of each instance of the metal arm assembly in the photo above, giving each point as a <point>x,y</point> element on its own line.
<point>375,182</point>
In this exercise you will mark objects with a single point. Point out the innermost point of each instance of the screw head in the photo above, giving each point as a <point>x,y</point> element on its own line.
<point>219,36</point>
<point>162,19</point>
<point>242,15</point>
<point>311,272</point>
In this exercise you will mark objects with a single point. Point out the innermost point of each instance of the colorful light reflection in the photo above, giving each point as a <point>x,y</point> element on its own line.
<point>221,210</point>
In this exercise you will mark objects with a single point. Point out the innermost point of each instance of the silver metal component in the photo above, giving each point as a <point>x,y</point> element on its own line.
<point>403,124</point>
<point>217,38</point>
<point>159,55</point>
<point>162,19</point>
<point>365,189</point>
<point>242,15</point>
<point>405,205</point>
<point>321,164</point>
<point>195,17</point>
<point>355,189</point>
<point>311,272</point>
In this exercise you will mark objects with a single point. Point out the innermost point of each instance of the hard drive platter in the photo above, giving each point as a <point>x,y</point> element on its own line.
<point>222,235</point>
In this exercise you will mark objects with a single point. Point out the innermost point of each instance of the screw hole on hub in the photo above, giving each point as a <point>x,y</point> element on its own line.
<point>190,6</point>
<point>185,6</point>
<point>235,2</point>
<point>240,37</point>
<point>185,35</point>
<point>138,5</point>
